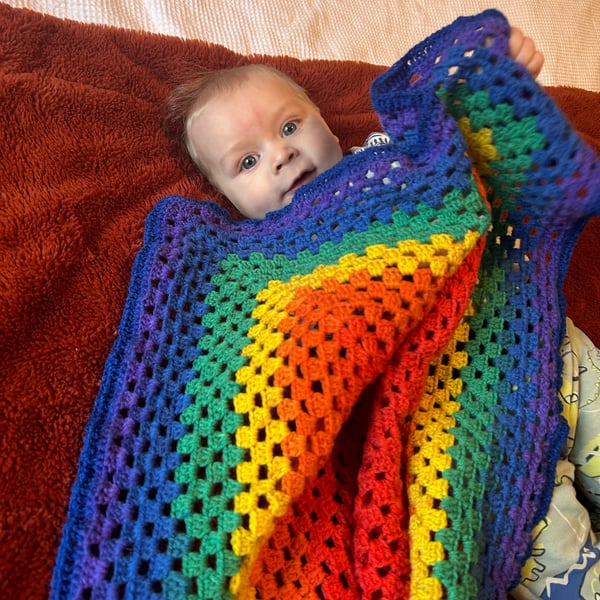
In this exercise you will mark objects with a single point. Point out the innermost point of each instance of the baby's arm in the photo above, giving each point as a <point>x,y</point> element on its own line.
<point>522,49</point>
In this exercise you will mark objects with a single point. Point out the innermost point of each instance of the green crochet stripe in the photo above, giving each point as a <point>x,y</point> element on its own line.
<point>513,140</point>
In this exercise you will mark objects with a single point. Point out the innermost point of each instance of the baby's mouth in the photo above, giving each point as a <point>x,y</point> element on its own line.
<point>302,179</point>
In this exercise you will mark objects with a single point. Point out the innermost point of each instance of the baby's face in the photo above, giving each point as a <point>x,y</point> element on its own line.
<point>260,142</point>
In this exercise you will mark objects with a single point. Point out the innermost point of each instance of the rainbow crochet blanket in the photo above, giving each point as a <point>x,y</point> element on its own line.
<point>357,396</point>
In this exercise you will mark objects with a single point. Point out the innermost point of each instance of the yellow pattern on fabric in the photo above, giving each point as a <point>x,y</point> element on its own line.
<point>481,149</point>
<point>430,440</point>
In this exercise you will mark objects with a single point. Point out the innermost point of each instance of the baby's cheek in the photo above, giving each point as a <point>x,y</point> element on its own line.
<point>334,151</point>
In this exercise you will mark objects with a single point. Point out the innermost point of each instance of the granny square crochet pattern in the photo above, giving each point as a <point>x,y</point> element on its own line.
<point>357,396</point>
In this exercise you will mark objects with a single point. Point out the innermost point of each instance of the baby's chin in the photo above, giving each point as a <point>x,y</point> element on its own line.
<point>287,199</point>
<point>271,208</point>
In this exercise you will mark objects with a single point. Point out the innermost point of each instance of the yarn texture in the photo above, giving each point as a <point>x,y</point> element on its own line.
<point>357,396</point>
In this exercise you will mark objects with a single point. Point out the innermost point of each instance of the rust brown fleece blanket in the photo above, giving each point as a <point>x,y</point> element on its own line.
<point>84,159</point>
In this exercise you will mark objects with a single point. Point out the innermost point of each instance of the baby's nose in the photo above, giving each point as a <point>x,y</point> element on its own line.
<point>284,156</point>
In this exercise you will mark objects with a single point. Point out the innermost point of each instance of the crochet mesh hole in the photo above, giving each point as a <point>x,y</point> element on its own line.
<point>157,587</point>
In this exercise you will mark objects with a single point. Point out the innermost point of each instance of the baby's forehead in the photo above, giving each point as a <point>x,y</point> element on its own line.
<point>257,79</point>
<point>256,92</point>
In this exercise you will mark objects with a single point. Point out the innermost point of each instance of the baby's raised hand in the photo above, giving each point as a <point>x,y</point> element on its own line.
<point>522,49</point>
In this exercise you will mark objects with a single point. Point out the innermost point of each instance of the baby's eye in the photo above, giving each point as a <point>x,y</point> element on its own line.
<point>289,128</point>
<point>248,162</point>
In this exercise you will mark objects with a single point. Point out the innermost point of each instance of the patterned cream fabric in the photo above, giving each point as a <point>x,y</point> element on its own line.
<point>378,32</point>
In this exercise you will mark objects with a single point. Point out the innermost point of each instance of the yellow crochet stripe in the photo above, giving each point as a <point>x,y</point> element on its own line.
<point>263,501</point>
<point>430,441</point>
<point>481,149</point>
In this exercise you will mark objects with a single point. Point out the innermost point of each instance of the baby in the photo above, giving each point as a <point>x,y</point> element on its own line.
<point>257,137</point>
<point>255,134</point>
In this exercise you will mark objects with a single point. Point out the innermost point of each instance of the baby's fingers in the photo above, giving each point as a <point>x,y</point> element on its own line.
<point>522,49</point>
